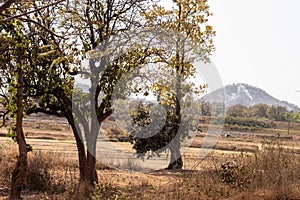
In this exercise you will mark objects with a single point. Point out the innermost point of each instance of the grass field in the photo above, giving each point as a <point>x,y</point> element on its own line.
<point>260,165</point>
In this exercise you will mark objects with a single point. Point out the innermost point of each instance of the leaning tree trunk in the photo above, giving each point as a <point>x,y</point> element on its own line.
<point>19,175</point>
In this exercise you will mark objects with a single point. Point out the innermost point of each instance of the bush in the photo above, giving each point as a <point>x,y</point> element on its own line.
<point>234,174</point>
<point>274,170</point>
<point>250,122</point>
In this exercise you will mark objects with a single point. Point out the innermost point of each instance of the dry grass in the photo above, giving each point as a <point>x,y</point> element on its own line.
<point>8,153</point>
<point>273,172</point>
<point>47,172</point>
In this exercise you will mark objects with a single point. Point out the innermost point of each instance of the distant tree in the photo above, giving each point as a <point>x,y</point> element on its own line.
<point>218,108</point>
<point>206,108</point>
<point>291,117</point>
<point>260,110</point>
<point>277,112</point>
<point>238,110</point>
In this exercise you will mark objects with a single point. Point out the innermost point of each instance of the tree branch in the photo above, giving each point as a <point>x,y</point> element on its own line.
<point>6,5</point>
<point>35,10</point>
<point>37,23</point>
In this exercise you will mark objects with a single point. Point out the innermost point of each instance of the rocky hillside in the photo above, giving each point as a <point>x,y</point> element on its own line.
<point>246,95</point>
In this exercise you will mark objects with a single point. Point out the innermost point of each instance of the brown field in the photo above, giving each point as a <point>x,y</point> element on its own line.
<point>260,165</point>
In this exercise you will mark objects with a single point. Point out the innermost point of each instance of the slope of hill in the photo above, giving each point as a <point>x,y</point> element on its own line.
<point>247,95</point>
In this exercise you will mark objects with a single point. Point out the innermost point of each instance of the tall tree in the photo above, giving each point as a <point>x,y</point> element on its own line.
<point>23,63</point>
<point>12,65</point>
<point>91,23</point>
<point>187,19</point>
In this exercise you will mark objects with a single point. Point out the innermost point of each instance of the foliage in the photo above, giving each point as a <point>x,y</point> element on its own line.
<point>142,142</point>
<point>206,108</point>
<point>260,111</point>
<point>233,173</point>
<point>238,111</point>
<point>277,113</point>
<point>251,122</point>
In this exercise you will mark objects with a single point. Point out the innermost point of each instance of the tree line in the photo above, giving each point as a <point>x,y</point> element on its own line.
<point>263,111</point>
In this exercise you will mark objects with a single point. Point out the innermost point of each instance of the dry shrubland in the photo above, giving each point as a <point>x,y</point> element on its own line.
<point>270,173</point>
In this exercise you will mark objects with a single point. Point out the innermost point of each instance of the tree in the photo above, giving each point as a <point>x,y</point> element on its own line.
<point>277,112</point>
<point>12,62</point>
<point>238,111</point>
<point>291,117</point>
<point>23,63</point>
<point>187,19</point>
<point>260,110</point>
<point>49,86</point>
<point>92,23</point>
<point>206,108</point>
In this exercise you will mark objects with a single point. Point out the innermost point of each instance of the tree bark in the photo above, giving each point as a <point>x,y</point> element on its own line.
<point>19,175</point>
<point>176,159</point>
<point>80,146</point>
<point>91,172</point>
<point>87,162</point>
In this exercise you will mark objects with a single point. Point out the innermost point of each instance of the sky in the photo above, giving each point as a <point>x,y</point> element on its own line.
<point>258,43</point>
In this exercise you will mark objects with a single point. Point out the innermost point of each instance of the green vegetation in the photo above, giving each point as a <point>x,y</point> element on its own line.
<point>257,117</point>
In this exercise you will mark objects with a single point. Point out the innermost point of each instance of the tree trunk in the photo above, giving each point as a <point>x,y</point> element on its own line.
<point>86,155</point>
<point>289,126</point>
<point>91,172</point>
<point>19,175</point>
<point>176,159</point>
<point>79,144</point>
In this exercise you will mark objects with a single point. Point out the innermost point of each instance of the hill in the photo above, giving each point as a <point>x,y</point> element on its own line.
<point>247,95</point>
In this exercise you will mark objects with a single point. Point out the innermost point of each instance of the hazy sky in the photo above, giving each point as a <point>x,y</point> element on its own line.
<point>258,42</point>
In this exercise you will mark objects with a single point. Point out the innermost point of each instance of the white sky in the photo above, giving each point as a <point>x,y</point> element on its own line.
<point>258,42</point>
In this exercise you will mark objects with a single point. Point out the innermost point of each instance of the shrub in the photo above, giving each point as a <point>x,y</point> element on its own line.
<point>105,191</point>
<point>232,173</point>
<point>250,122</point>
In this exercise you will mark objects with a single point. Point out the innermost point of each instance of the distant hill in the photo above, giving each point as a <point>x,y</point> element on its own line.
<point>247,95</point>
